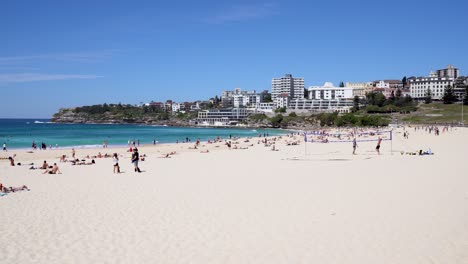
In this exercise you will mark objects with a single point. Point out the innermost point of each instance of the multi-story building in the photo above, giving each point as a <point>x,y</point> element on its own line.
<point>449,72</point>
<point>227,101</point>
<point>328,92</point>
<point>420,85</point>
<point>239,98</point>
<point>326,98</point>
<point>252,99</point>
<point>264,95</point>
<point>227,116</point>
<point>459,87</point>
<point>264,107</point>
<point>177,107</point>
<point>360,88</point>
<point>168,105</point>
<point>281,100</point>
<point>319,105</point>
<point>389,86</point>
<point>293,87</point>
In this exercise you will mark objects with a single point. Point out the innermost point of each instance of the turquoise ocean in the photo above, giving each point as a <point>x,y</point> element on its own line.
<point>20,133</point>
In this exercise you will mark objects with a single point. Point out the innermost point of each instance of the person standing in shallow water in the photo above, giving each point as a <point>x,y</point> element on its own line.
<point>135,159</point>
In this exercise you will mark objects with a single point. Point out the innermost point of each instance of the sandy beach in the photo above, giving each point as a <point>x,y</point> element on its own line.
<point>250,205</point>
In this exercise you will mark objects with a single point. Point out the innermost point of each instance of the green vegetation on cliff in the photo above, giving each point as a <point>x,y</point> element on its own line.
<point>322,119</point>
<point>119,113</point>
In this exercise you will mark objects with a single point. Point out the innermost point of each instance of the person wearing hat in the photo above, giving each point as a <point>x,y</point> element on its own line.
<point>135,159</point>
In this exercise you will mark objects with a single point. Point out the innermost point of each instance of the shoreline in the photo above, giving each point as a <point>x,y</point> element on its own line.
<point>50,133</point>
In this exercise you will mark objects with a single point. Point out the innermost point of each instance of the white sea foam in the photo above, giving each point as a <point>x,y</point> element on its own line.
<point>40,122</point>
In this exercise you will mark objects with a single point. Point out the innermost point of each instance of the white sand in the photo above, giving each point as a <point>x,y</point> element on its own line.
<point>244,206</point>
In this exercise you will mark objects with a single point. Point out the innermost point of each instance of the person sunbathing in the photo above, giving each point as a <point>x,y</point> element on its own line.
<point>55,170</point>
<point>427,152</point>
<point>82,162</point>
<point>205,151</point>
<point>12,189</point>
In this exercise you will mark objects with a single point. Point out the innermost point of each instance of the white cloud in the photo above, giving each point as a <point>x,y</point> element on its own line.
<point>33,77</point>
<point>60,57</point>
<point>242,13</point>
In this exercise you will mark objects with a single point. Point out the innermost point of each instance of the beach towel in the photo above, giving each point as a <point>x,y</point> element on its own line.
<point>3,194</point>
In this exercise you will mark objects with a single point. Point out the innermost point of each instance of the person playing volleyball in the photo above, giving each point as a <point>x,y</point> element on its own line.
<point>377,148</point>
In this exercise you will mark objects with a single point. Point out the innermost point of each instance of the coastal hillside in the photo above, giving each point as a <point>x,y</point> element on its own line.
<point>120,113</point>
<point>367,115</point>
<point>128,114</point>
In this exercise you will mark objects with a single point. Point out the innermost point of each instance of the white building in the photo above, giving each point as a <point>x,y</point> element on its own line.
<point>264,107</point>
<point>420,85</point>
<point>281,100</point>
<point>226,116</point>
<point>382,85</point>
<point>253,99</point>
<point>178,107</point>
<point>293,87</point>
<point>195,107</point>
<point>320,105</point>
<point>239,98</point>
<point>329,92</point>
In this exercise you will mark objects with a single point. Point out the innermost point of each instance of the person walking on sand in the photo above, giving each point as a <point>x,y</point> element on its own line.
<point>116,163</point>
<point>354,146</point>
<point>377,148</point>
<point>135,159</point>
<point>73,153</point>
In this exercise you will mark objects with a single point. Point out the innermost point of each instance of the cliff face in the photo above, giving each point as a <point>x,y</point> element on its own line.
<point>68,116</point>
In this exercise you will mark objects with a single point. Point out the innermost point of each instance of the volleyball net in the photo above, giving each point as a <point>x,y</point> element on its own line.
<point>347,136</point>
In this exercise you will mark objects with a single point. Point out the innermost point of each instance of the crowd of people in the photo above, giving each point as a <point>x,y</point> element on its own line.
<point>353,135</point>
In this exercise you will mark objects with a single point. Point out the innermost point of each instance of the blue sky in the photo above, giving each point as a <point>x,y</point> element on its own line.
<point>57,54</point>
